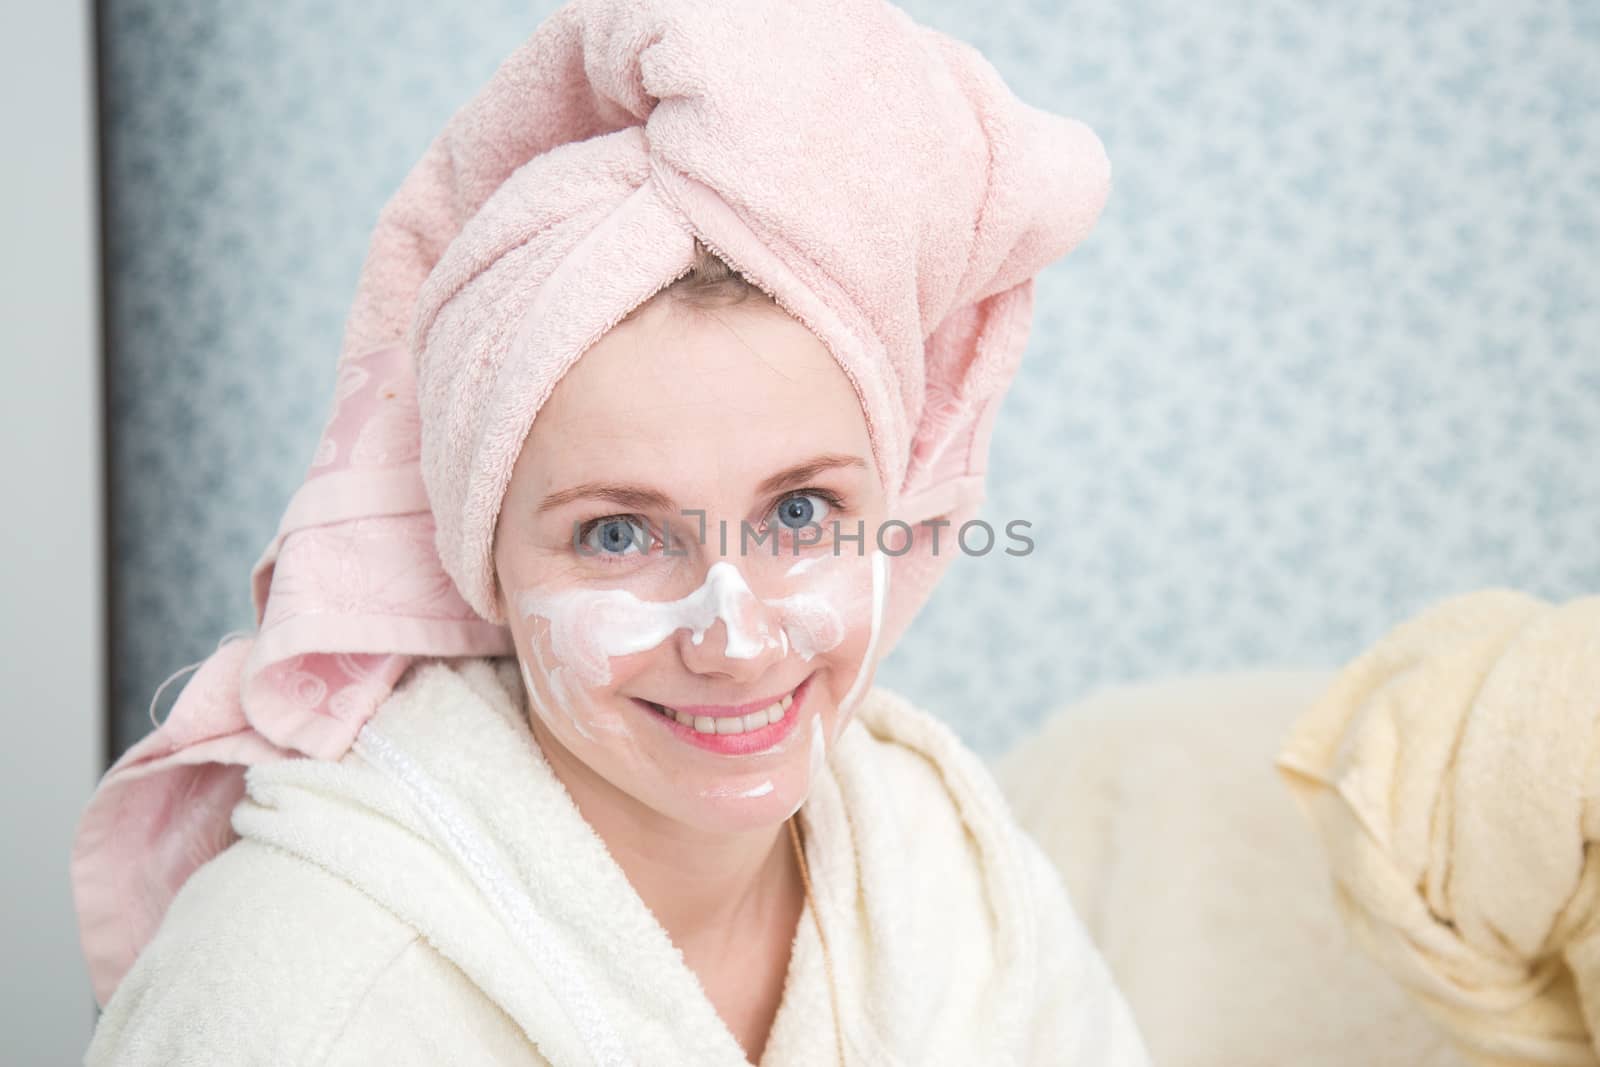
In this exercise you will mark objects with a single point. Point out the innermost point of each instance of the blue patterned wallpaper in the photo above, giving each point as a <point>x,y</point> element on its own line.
<point>1328,356</point>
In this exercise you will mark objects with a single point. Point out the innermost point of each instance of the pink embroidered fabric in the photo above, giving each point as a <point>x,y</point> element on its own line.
<point>876,178</point>
<point>352,569</point>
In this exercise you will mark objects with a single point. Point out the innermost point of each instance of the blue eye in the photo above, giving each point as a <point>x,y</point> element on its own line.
<point>798,511</point>
<point>615,536</point>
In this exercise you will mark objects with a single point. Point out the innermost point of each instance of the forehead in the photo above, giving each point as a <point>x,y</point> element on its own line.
<point>675,389</point>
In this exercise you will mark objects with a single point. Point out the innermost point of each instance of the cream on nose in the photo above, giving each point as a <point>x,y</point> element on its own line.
<point>734,632</point>
<point>729,600</point>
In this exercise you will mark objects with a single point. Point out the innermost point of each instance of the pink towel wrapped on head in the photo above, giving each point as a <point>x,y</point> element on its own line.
<point>875,177</point>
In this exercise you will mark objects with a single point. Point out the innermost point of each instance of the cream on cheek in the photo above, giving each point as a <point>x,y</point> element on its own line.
<point>576,632</point>
<point>847,704</point>
<point>879,595</point>
<point>588,627</point>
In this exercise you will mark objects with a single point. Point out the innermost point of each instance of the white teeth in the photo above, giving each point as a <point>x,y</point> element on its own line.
<point>731,724</point>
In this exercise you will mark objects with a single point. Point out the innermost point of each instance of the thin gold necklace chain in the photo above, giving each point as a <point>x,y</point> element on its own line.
<point>827,957</point>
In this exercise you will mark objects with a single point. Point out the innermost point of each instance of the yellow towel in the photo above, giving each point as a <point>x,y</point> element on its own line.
<point>1452,773</point>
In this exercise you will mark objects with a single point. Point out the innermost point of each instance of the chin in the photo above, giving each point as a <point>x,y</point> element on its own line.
<point>743,802</point>
<point>747,815</point>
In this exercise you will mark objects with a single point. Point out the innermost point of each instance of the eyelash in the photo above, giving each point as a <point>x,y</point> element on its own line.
<point>611,559</point>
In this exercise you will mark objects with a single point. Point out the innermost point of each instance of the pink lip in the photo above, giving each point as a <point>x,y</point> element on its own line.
<point>739,744</point>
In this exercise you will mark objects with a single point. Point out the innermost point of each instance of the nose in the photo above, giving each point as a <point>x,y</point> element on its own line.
<point>742,637</point>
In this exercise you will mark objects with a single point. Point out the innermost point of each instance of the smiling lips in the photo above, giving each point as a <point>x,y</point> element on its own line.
<point>725,719</point>
<point>736,730</point>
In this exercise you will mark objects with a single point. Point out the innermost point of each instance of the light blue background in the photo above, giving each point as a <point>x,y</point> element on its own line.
<point>1328,356</point>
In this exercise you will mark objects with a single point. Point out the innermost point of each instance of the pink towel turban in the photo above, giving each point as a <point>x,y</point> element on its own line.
<point>875,177</point>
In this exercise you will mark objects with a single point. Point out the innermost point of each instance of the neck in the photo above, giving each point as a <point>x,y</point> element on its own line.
<point>706,888</point>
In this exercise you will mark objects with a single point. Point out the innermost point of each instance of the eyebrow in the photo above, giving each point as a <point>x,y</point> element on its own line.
<point>644,498</point>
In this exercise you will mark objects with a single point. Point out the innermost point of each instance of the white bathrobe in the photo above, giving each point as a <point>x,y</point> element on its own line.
<point>436,898</point>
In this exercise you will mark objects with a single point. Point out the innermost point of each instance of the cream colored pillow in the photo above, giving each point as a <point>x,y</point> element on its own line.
<point>1201,882</point>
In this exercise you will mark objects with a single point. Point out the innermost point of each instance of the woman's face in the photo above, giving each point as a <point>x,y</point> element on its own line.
<point>690,625</point>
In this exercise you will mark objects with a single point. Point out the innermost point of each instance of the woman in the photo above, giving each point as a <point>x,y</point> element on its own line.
<point>582,649</point>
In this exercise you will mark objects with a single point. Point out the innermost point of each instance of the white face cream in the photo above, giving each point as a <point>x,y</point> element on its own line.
<point>576,634</point>
<point>588,627</point>
<point>752,793</point>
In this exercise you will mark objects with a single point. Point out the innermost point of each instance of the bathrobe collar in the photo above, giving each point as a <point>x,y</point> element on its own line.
<point>447,814</point>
